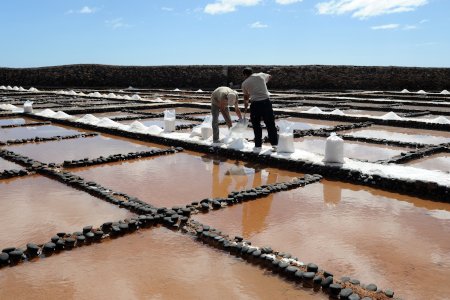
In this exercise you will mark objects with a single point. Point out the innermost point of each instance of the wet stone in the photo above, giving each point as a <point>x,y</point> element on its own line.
<point>327,281</point>
<point>345,293</point>
<point>389,293</point>
<point>32,249</point>
<point>335,289</point>
<point>317,281</point>
<point>354,297</point>
<point>15,256</point>
<point>312,268</point>
<point>371,287</point>
<point>345,279</point>
<point>355,281</point>
<point>9,249</point>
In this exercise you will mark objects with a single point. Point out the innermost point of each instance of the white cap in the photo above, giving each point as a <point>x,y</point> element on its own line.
<point>232,97</point>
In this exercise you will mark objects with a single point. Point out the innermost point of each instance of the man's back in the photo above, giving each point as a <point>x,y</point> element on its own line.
<point>255,86</point>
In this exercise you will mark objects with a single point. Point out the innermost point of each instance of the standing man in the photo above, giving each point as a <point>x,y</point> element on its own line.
<point>220,99</point>
<point>255,89</point>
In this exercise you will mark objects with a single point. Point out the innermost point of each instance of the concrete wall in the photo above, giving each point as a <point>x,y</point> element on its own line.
<point>194,77</point>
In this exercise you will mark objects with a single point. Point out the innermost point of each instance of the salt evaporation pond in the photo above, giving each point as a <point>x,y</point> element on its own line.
<point>7,165</point>
<point>439,162</point>
<point>14,121</point>
<point>409,135</point>
<point>35,208</point>
<point>181,178</point>
<point>178,110</point>
<point>159,122</point>
<point>110,114</point>
<point>395,241</point>
<point>154,264</point>
<point>35,131</point>
<point>356,150</point>
<point>372,113</point>
<point>80,148</point>
<point>306,124</point>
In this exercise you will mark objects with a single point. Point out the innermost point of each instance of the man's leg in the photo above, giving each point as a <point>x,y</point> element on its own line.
<point>269,119</point>
<point>255,115</point>
<point>215,122</point>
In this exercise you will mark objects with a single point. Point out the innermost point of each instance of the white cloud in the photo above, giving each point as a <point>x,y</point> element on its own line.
<point>424,21</point>
<point>385,27</point>
<point>258,25</point>
<point>227,6</point>
<point>364,9</point>
<point>83,10</point>
<point>410,27</point>
<point>167,8</point>
<point>117,23</point>
<point>286,2</point>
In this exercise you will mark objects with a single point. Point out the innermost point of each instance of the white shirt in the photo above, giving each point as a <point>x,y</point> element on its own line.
<point>255,86</point>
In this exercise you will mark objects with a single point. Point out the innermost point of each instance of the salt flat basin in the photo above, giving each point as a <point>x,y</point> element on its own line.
<point>153,264</point>
<point>409,135</point>
<point>181,178</point>
<point>35,131</point>
<point>439,162</point>
<point>306,124</point>
<point>80,148</point>
<point>394,241</point>
<point>356,150</point>
<point>110,114</point>
<point>178,110</point>
<point>7,165</point>
<point>35,208</point>
<point>159,122</point>
<point>13,121</point>
<point>364,112</point>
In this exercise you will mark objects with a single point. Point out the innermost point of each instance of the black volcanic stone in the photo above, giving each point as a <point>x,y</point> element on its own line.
<point>326,282</point>
<point>371,287</point>
<point>335,289</point>
<point>4,258</point>
<point>345,293</point>
<point>354,297</point>
<point>312,268</point>
<point>32,249</point>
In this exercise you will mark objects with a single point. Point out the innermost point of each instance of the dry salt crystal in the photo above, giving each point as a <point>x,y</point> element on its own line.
<point>136,97</point>
<point>391,116</point>
<point>107,122</point>
<point>421,92</point>
<point>440,120</point>
<point>2,87</point>
<point>176,90</point>
<point>15,88</point>
<point>199,91</point>
<point>445,92</point>
<point>88,119</point>
<point>338,112</point>
<point>239,144</point>
<point>32,89</point>
<point>22,89</point>
<point>97,94</point>
<point>8,107</point>
<point>154,129</point>
<point>9,87</point>
<point>126,97</point>
<point>111,95</point>
<point>81,94</point>
<point>62,115</point>
<point>46,113</point>
<point>405,91</point>
<point>315,110</point>
<point>137,126</point>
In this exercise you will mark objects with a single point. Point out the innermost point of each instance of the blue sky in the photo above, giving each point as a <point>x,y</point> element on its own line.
<point>225,32</point>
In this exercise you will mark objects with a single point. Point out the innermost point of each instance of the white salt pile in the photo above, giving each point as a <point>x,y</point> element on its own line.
<point>8,107</point>
<point>2,87</point>
<point>81,94</point>
<point>46,113</point>
<point>97,94</point>
<point>404,91</point>
<point>136,97</point>
<point>72,93</point>
<point>15,88</point>
<point>111,95</point>
<point>338,112</point>
<point>9,87</point>
<point>32,89</point>
<point>88,119</point>
<point>176,90</point>
<point>62,115</point>
<point>421,92</point>
<point>440,120</point>
<point>126,97</point>
<point>107,122</point>
<point>391,116</point>
<point>315,110</point>
<point>445,92</point>
<point>137,126</point>
<point>199,91</point>
<point>154,129</point>
<point>21,89</point>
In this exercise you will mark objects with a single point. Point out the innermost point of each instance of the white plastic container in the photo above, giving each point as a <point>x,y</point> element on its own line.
<point>169,120</point>
<point>286,143</point>
<point>334,149</point>
<point>206,132</point>
<point>28,107</point>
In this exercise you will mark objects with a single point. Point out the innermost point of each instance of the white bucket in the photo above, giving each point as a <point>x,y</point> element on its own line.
<point>206,132</point>
<point>286,143</point>
<point>334,149</point>
<point>169,125</point>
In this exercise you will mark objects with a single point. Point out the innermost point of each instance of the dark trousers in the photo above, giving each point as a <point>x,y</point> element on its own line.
<point>263,110</point>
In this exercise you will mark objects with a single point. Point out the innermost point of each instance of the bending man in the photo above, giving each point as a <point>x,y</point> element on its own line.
<point>220,99</point>
<point>255,89</point>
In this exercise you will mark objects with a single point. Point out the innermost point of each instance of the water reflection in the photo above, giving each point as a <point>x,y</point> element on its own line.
<point>332,194</point>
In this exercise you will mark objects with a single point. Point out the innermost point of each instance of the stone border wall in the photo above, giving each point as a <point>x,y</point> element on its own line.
<point>318,77</point>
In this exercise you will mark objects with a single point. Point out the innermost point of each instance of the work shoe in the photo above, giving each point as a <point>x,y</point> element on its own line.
<point>256,149</point>
<point>274,148</point>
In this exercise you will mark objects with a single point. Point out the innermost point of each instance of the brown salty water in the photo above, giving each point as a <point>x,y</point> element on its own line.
<point>410,135</point>
<point>37,131</point>
<point>439,162</point>
<point>35,208</point>
<point>394,241</point>
<point>7,165</point>
<point>73,149</point>
<point>363,151</point>
<point>153,264</point>
<point>179,179</point>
